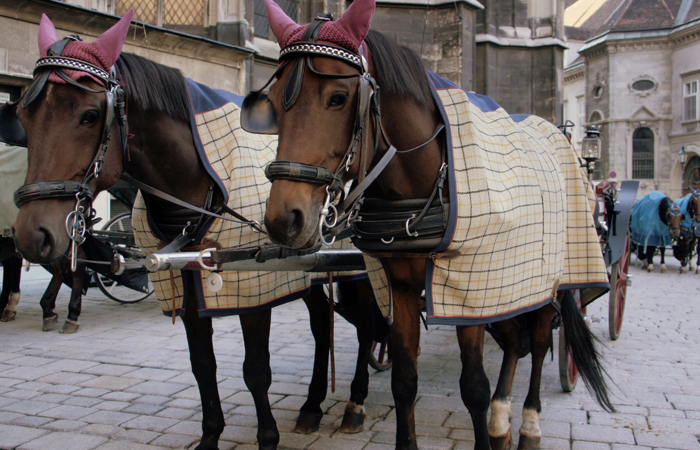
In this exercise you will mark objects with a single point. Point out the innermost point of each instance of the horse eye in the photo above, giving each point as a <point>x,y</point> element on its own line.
<point>89,117</point>
<point>337,99</point>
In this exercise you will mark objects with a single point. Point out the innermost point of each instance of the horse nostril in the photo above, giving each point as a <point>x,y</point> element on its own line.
<point>295,221</point>
<point>44,242</point>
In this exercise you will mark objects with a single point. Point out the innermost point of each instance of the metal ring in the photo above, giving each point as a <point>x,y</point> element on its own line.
<point>332,212</point>
<point>408,223</point>
<point>389,241</point>
<point>201,256</point>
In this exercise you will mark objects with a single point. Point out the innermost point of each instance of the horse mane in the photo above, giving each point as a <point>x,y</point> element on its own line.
<point>400,70</point>
<point>153,86</point>
<point>663,209</point>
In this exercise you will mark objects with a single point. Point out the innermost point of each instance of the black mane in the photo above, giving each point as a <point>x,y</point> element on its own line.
<point>154,86</point>
<point>399,70</point>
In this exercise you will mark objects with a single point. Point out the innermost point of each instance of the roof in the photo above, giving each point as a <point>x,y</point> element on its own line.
<point>585,19</point>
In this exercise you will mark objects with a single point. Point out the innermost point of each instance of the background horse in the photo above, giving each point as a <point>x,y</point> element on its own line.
<point>13,171</point>
<point>688,244</point>
<point>655,225</point>
<point>323,107</point>
<point>67,115</point>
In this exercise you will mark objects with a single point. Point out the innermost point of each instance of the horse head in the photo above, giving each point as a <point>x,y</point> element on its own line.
<point>694,205</point>
<point>65,119</point>
<point>674,219</point>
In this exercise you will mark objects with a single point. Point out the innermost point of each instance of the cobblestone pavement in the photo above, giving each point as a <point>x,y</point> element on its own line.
<point>123,381</point>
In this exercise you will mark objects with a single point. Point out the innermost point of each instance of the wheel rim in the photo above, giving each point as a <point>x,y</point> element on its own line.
<point>381,357</point>
<point>573,370</point>
<point>620,281</point>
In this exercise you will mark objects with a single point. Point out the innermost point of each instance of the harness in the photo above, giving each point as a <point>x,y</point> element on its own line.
<point>340,213</point>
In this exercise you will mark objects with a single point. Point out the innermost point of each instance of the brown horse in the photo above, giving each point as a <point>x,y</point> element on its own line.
<point>75,130</point>
<point>331,132</point>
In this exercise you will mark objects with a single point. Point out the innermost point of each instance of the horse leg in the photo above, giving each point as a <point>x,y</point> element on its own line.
<point>697,250</point>
<point>310,414</point>
<point>48,300</point>
<point>405,337</point>
<point>690,253</point>
<point>9,299</point>
<point>540,340</point>
<point>258,375</point>
<point>473,383</point>
<point>199,340</point>
<point>355,414</point>
<point>500,435</point>
<point>650,258</point>
<point>74,306</point>
<point>662,251</point>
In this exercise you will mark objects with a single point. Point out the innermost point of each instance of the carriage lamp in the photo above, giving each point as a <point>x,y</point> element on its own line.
<point>590,147</point>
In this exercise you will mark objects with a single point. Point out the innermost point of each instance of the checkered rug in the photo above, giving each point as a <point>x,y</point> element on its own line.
<point>13,171</point>
<point>522,223</point>
<point>236,159</point>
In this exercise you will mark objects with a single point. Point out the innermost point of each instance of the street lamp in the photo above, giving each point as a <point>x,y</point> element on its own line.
<point>683,155</point>
<point>590,148</point>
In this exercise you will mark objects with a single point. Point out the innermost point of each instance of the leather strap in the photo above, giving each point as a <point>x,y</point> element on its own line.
<point>49,189</point>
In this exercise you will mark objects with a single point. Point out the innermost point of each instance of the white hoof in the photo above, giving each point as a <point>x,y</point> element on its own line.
<point>650,268</point>
<point>645,265</point>
<point>683,270</point>
<point>663,268</point>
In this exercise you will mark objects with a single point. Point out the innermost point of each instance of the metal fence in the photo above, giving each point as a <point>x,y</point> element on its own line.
<point>165,12</point>
<point>261,25</point>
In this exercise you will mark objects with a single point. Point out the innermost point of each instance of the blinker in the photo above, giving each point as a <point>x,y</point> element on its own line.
<point>11,130</point>
<point>258,116</point>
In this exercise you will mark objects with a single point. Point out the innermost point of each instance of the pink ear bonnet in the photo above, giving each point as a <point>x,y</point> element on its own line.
<point>102,53</point>
<point>348,32</point>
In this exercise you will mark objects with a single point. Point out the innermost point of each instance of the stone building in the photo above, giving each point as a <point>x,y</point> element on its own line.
<point>636,78</point>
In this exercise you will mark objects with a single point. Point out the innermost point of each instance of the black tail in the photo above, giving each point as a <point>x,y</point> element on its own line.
<point>581,342</point>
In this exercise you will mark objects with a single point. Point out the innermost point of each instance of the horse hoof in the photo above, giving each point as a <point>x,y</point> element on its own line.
<point>697,271</point>
<point>683,270</point>
<point>650,268</point>
<point>645,265</point>
<point>267,447</point>
<point>70,327</point>
<point>528,443</point>
<point>352,422</point>
<point>504,442</point>
<point>307,423</point>
<point>664,269</point>
<point>49,322</point>
<point>8,316</point>
<point>207,445</point>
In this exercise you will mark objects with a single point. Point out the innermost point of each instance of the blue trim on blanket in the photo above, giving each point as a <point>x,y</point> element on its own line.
<point>484,103</point>
<point>517,118</point>
<point>280,301</point>
<point>484,320</point>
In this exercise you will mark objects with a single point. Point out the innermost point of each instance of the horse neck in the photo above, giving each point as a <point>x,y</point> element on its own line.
<point>408,125</point>
<point>162,154</point>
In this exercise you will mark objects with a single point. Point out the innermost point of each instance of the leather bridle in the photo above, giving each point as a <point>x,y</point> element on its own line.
<point>79,219</point>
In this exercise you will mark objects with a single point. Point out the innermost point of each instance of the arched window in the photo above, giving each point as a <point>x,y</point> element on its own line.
<point>643,154</point>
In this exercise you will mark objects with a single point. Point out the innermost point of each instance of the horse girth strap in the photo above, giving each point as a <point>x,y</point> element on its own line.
<point>42,190</point>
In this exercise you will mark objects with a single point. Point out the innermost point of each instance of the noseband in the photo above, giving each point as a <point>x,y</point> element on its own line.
<point>11,130</point>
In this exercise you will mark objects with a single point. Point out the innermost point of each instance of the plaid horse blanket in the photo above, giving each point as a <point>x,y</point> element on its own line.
<point>520,218</point>
<point>13,171</point>
<point>235,159</point>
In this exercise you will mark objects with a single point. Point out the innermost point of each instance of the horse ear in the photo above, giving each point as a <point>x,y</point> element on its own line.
<point>47,34</point>
<point>357,19</point>
<point>112,40</point>
<point>282,25</point>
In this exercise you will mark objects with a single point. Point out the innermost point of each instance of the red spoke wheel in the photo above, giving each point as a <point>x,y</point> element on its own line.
<point>618,291</point>
<point>380,356</point>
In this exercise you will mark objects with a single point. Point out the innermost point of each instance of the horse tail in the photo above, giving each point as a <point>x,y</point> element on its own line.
<point>581,342</point>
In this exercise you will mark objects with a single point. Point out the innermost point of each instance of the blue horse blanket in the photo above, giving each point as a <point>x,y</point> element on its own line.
<point>647,227</point>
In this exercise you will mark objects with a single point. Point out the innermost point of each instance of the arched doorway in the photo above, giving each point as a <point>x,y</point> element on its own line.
<point>643,154</point>
<point>691,176</point>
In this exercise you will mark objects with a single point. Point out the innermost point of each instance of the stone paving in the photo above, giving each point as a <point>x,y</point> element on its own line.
<point>123,381</point>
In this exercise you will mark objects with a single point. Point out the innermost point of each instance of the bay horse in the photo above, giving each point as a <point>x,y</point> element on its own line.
<point>74,121</point>
<point>688,244</point>
<point>335,128</point>
<point>655,224</point>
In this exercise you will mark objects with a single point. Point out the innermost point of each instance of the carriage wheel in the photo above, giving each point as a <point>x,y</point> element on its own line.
<point>568,372</point>
<point>618,291</point>
<point>116,292</point>
<point>380,355</point>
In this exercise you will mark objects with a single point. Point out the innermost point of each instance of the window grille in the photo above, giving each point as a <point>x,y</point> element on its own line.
<point>690,101</point>
<point>261,25</point>
<point>643,154</point>
<point>163,13</point>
